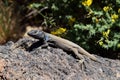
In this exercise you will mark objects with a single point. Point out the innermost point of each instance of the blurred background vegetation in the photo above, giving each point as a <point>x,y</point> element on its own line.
<point>93,24</point>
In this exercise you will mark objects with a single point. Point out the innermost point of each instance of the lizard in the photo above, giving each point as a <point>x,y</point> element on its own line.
<point>62,43</point>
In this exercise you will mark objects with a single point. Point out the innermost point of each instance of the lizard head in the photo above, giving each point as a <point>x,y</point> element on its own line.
<point>37,34</point>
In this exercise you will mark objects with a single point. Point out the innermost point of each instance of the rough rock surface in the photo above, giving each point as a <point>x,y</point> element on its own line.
<point>25,60</point>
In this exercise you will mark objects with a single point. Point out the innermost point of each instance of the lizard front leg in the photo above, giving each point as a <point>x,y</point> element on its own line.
<point>45,44</point>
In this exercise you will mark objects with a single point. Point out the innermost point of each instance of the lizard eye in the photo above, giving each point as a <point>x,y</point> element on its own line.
<point>36,32</point>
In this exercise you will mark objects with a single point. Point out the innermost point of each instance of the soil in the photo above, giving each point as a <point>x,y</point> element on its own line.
<point>25,60</point>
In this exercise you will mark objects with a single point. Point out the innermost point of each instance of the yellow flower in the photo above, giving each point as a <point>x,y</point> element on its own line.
<point>106,8</point>
<point>30,6</point>
<point>119,10</point>
<point>71,21</point>
<point>59,31</point>
<point>101,43</point>
<point>106,34</point>
<point>97,20</point>
<point>118,45</point>
<point>114,17</point>
<point>87,2</point>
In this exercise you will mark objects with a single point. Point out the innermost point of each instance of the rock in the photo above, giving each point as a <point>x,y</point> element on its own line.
<point>24,60</point>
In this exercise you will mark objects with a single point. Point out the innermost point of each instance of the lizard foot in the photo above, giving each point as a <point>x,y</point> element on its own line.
<point>81,61</point>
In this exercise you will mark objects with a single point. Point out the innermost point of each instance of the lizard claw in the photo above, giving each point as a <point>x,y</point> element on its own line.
<point>81,61</point>
<point>48,47</point>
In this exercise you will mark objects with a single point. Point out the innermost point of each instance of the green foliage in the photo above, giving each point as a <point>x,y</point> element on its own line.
<point>61,10</point>
<point>91,24</point>
<point>48,21</point>
<point>103,29</point>
<point>64,9</point>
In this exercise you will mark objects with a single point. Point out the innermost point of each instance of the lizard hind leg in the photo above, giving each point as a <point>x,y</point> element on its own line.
<point>78,55</point>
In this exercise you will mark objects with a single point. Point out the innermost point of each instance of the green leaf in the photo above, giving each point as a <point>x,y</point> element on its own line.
<point>64,1</point>
<point>36,5</point>
<point>79,26</point>
<point>118,2</point>
<point>54,7</point>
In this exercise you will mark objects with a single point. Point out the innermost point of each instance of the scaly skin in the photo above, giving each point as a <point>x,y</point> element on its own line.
<point>62,43</point>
